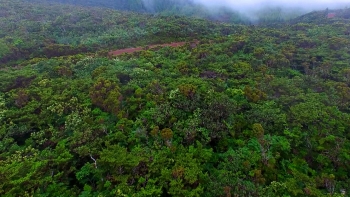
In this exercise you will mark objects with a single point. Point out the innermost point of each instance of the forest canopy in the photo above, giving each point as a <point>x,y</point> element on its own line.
<point>238,110</point>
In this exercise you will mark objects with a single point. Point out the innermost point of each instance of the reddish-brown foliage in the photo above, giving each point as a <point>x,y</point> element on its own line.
<point>331,15</point>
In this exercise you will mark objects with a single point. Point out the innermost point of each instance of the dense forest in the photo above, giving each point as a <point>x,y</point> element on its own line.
<point>192,8</point>
<point>239,110</point>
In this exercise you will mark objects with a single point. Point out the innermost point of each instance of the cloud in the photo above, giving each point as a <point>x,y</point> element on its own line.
<point>251,8</point>
<point>256,4</point>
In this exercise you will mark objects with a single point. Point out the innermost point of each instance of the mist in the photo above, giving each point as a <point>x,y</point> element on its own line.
<point>251,8</point>
<point>245,5</point>
<point>251,11</point>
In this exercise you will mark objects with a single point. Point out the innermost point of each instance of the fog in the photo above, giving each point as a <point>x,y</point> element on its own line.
<point>251,8</point>
<point>256,4</point>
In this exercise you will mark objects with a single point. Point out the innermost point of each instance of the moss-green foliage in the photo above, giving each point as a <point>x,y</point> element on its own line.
<point>253,111</point>
<point>49,30</point>
<point>166,8</point>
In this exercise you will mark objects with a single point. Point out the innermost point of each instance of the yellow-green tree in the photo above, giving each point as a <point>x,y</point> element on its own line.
<point>106,95</point>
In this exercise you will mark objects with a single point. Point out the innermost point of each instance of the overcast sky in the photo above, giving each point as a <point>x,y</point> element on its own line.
<point>254,4</point>
<point>251,8</point>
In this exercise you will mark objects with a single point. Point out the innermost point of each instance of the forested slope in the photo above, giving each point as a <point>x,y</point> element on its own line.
<point>332,15</point>
<point>31,30</point>
<point>247,111</point>
<point>162,7</point>
<point>191,8</point>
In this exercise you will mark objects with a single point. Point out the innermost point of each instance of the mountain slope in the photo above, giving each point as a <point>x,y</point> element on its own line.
<point>37,30</point>
<point>245,110</point>
<point>326,16</point>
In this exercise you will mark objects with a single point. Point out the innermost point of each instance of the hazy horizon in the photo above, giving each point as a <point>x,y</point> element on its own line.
<point>253,4</point>
<point>251,8</point>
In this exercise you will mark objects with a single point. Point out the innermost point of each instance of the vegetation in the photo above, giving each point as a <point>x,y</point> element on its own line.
<point>192,8</point>
<point>246,111</point>
<point>51,30</point>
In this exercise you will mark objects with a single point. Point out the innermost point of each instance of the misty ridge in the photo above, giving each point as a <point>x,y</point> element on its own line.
<point>232,11</point>
<point>250,5</point>
<point>252,9</point>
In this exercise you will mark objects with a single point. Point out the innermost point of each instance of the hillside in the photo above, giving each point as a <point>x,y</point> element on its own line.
<point>47,30</point>
<point>325,16</point>
<point>192,8</point>
<point>234,111</point>
<point>161,7</point>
